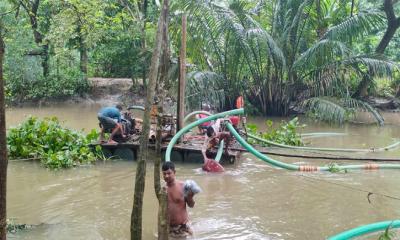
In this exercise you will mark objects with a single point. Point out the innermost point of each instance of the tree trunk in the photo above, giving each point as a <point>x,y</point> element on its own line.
<point>84,59</point>
<point>161,86</point>
<point>182,75</point>
<point>163,226</point>
<point>143,43</point>
<point>3,147</point>
<point>352,8</point>
<point>393,25</point>
<point>320,29</point>
<point>38,37</point>
<point>83,52</point>
<point>136,216</point>
<point>362,88</point>
<point>45,60</point>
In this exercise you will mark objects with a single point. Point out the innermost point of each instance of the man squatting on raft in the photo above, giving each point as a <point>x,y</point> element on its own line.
<point>110,121</point>
<point>177,200</point>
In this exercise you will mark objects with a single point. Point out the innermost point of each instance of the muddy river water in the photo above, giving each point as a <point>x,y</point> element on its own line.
<point>251,200</point>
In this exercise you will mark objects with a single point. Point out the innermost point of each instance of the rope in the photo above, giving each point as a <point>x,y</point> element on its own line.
<point>352,188</point>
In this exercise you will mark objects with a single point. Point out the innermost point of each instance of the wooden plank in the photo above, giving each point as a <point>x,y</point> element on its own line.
<point>185,149</point>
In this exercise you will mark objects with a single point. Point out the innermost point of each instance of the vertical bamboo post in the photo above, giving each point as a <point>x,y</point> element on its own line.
<point>3,147</point>
<point>182,75</point>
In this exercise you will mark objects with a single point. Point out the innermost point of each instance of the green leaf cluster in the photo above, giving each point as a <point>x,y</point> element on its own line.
<point>57,147</point>
<point>13,227</point>
<point>334,168</point>
<point>286,133</point>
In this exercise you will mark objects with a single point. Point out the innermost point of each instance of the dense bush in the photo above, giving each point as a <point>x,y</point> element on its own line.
<point>286,133</point>
<point>57,147</point>
<point>24,80</point>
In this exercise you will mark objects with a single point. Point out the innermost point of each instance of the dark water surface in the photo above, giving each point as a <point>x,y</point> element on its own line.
<point>251,200</point>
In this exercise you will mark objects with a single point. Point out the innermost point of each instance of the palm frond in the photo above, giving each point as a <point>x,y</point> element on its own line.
<point>356,103</point>
<point>357,26</point>
<point>326,109</point>
<point>321,53</point>
<point>272,47</point>
<point>338,110</point>
<point>377,66</point>
<point>204,87</point>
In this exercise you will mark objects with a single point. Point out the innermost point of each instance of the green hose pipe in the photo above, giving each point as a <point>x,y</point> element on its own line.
<point>306,168</point>
<point>373,227</point>
<point>321,134</point>
<point>396,144</point>
<point>252,150</point>
<point>194,124</point>
<point>136,107</point>
<point>194,113</point>
<point>220,150</point>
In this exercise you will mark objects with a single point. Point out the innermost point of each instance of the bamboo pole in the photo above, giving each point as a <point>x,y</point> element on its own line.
<point>3,147</point>
<point>182,75</point>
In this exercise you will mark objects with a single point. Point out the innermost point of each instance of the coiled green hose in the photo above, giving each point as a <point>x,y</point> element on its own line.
<point>373,227</point>
<point>194,113</point>
<point>194,124</point>
<point>136,107</point>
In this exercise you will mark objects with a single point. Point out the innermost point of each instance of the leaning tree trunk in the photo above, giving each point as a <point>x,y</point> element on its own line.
<point>3,147</point>
<point>393,25</point>
<point>136,217</point>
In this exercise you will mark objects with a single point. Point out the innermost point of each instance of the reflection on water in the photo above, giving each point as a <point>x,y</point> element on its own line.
<point>251,200</point>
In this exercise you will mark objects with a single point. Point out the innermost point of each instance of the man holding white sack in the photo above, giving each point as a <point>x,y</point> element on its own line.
<point>180,194</point>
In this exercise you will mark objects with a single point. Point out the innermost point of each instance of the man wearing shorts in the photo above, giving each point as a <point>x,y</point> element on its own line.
<point>110,121</point>
<point>177,213</point>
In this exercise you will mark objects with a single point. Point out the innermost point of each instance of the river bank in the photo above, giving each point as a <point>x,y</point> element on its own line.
<point>110,91</point>
<point>102,91</point>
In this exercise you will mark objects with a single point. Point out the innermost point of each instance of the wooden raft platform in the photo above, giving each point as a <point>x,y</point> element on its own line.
<point>183,152</point>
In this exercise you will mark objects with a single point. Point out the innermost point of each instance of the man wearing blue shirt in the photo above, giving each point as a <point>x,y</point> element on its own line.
<point>110,121</point>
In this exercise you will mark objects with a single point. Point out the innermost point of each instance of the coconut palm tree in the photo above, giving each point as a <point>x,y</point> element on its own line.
<point>273,53</point>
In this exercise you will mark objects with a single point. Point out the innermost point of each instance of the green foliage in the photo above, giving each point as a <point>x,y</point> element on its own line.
<point>387,235</point>
<point>13,227</point>
<point>68,83</point>
<point>334,168</point>
<point>57,147</point>
<point>286,133</point>
<point>384,88</point>
<point>338,110</point>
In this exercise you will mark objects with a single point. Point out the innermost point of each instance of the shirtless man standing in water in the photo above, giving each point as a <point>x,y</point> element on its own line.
<point>177,213</point>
